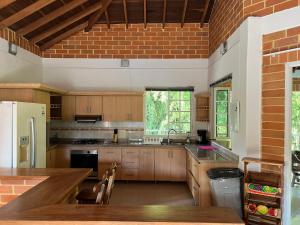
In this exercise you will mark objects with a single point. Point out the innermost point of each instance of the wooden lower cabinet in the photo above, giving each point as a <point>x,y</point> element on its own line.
<point>51,158</point>
<point>130,163</point>
<point>107,156</point>
<point>194,187</point>
<point>170,164</point>
<point>63,158</point>
<point>146,165</point>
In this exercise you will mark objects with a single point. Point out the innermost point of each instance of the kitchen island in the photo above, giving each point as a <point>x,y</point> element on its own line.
<point>45,204</point>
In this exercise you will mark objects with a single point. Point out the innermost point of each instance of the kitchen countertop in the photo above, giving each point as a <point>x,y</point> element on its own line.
<point>41,205</point>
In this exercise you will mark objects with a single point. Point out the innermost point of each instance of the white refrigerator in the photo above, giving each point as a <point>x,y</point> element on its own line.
<point>22,135</point>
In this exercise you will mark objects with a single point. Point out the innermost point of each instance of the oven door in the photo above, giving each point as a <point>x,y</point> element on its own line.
<point>85,159</point>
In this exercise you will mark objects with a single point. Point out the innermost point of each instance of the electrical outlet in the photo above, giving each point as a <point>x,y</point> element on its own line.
<point>24,140</point>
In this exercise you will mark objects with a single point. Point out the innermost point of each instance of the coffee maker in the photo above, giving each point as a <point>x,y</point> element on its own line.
<point>202,137</point>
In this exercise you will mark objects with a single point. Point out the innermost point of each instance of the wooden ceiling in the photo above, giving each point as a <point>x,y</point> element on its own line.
<point>46,22</point>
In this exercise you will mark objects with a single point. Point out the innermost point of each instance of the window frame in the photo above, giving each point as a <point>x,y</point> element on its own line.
<point>169,112</point>
<point>228,112</point>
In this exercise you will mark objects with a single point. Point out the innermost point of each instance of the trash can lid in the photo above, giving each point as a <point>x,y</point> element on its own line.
<point>224,173</point>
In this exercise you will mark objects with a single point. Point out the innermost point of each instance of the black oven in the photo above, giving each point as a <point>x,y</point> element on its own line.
<point>85,159</point>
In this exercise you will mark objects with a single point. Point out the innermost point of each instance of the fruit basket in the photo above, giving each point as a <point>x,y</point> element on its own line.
<point>263,210</point>
<point>263,190</point>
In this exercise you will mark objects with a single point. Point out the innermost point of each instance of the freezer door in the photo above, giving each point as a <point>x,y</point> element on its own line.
<point>29,135</point>
<point>6,132</point>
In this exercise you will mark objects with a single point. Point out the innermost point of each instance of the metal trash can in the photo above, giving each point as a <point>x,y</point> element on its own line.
<point>226,186</point>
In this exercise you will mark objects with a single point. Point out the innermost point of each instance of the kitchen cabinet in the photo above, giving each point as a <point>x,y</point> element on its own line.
<point>130,163</point>
<point>107,156</point>
<point>50,158</point>
<point>68,108</point>
<point>88,105</point>
<point>170,164</point>
<point>194,187</point>
<point>62,157</point>
<point>123,108</point>
<point>202,107</point>
<point>146,165</point>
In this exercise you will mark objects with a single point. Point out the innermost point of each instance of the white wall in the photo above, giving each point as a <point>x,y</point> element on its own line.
<point>25,67</point>
<point>243,61</point>
<point>106,74</point>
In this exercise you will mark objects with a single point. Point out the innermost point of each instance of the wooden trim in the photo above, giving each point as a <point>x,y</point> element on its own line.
<point>145,14</point>
<point>37,86</point>
<point>104,93</point>
<point>184,12</point>
<point>263,161</point>
<point>63,36</point>
<point>96,16</point>
<point>107,19</point>
<point>24,13</point>
<point>49,17</point>
<point>5,3</point>
<point>204,94</point>
<point>125,13</point>
<point>66,23</point>
<point>164,14</point>
<point>205,12</point>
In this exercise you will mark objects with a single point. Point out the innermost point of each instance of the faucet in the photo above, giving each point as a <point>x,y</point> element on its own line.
<point>169,134</point>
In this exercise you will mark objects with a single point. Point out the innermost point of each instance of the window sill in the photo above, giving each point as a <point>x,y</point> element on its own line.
<point>225,143</point>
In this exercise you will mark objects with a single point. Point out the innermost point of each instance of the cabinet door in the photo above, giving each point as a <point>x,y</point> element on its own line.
<point>82,105</point>
<point>130,158</point>
<point>109,108</point>
<point>107,156</point>
<point>48,159</point>
<point>146,170</point>
<point>137,108</point>
<point>62,159</point>
<point>162,164</point>
<point>123,111</point>
<point>68,108</point>
<point>95,105</point>
<point>178,165</point>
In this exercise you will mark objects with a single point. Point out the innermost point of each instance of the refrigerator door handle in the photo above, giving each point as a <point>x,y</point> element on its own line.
<point>33,143</point>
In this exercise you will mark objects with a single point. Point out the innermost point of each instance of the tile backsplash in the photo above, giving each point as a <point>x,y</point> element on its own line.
<point>99,130</point>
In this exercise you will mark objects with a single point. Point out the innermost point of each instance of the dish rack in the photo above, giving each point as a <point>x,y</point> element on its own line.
<point>263,192</point>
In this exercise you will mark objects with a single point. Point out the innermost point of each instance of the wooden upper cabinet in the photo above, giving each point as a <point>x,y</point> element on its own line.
<point>137,108</point>
<point>88,105</point>
<point>109,108</point>
<point>68,108</point>
<point>123,108</point>
<point>202,107</point>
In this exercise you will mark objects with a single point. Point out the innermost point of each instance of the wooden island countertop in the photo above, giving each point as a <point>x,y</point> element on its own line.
<point>43,205</point>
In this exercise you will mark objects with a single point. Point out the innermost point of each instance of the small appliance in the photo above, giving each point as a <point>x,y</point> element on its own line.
<point>115,136</point>
<point>202,137</point>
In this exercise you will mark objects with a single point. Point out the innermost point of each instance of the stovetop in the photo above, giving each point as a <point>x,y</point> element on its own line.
<point>87,141</point>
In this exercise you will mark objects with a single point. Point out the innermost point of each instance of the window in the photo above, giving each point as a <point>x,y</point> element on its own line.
<point>167,110</point>
<point>222,99</point>
<point>295,120</point>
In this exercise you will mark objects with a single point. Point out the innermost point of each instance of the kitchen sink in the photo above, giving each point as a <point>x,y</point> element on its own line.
<point>173,142</point>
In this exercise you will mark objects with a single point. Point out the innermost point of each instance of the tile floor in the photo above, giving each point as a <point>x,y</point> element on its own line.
<point>148,193</point>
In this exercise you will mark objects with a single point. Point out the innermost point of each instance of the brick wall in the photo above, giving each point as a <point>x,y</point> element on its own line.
<point>11,36</point>
<point>273,89</point>
<point>228,15</point>
<point>191,41</point>
<point>11,188</point>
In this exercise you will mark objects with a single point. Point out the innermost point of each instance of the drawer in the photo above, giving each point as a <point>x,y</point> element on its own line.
<point>195,169</point>
<point>130,153</point>
<point>130,164</point>
<point>109,155</point>
<point>129,174</point>
<point>195,191</point>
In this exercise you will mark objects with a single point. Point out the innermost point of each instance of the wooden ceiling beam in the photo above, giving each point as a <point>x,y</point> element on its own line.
<point>63,36</point>
<point>95,17</point>
<point>145,14</point>
<point>125,13</point>
<point>88,11</point>
<point>184,12</point>
<point>205,12</point>
<point>24,13</point>
<point>164,14</point>
<point>49,17</point>
<point>107,19</point>
<point>4,3</point>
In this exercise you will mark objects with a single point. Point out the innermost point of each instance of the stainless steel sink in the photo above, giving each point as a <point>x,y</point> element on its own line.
<point>173,142</point>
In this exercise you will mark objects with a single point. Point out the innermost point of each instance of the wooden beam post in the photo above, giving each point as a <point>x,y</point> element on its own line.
<point>63,36</point>
<point>95,17</point>
<point>49,17</point>
<point>184,13</point>
<point>24,13</point>
<point>107,19</point>
<point>205,12</point>
<point>145,14</point>
<point>88,11</point>
<point>125,13</point>
<point>4,3</point>
<point>164,14</point>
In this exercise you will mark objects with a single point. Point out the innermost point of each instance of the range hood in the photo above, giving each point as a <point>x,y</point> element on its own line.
<point>88,118</point>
